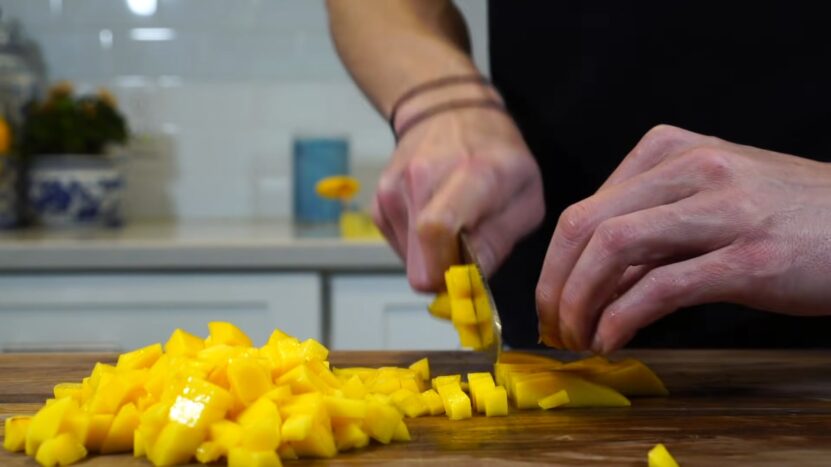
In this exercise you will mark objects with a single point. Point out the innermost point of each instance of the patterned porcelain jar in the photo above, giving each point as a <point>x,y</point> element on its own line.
<point>74,191</point>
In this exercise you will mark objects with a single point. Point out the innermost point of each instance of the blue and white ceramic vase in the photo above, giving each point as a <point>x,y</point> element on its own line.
<point>75,191</point>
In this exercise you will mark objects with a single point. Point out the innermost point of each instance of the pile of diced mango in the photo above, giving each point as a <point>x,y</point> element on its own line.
<point>221,398</point>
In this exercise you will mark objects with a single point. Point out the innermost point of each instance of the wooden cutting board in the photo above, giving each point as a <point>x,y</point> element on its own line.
<point>759,408</point>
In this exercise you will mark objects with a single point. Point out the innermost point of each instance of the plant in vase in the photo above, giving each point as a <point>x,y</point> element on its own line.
<point>66,142</point>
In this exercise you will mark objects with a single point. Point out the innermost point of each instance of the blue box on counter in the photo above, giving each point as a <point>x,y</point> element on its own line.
<point>316,158</point>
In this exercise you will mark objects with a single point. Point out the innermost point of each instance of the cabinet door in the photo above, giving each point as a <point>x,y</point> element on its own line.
<point>382,312</point>
<point>124,311</point>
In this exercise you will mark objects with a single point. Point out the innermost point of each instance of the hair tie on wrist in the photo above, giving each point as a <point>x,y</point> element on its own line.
<point>432,85</point>
<point>445,107</point>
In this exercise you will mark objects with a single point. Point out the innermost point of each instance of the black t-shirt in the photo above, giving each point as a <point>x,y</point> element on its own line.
<point>586,79</point>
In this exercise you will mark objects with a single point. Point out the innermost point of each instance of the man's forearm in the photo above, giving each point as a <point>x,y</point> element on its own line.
<point>389,46</point>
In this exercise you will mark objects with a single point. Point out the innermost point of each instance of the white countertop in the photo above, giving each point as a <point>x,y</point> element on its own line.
<point>191,246</point>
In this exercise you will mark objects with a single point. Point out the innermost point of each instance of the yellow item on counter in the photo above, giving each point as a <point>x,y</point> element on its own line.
<point>338,187</point>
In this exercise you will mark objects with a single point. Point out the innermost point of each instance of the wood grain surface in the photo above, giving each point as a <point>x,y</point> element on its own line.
<point>759,408</point>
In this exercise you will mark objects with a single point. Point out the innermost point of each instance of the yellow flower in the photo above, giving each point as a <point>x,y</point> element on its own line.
<point>61,89</point>
<point>106,97</point>
<point>341,187</point>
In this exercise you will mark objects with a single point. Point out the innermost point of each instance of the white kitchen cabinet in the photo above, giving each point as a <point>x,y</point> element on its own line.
<point>382,312</point>
<point>119,311</point>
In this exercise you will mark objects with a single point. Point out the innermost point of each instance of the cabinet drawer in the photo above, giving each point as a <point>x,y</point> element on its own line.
<point>124,311</point>
<point>382,312</point>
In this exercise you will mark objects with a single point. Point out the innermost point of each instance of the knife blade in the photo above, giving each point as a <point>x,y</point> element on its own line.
<point>490,326</point>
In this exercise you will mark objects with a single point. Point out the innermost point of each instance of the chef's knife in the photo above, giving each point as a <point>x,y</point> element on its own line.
<point>489,327</point>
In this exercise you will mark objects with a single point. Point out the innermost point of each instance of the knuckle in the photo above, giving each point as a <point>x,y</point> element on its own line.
<point>574,222</point>
<point>662,132</point>
<point>711,162</point>
<point>614,236</point>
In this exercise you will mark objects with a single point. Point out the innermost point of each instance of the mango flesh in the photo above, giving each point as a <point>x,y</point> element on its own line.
<point>659,456</point>
<point>221,400</point>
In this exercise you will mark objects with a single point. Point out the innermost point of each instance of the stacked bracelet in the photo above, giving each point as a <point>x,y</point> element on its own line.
<point>443,106</point>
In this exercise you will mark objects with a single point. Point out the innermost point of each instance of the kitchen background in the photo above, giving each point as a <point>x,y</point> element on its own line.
<point>214,92</point>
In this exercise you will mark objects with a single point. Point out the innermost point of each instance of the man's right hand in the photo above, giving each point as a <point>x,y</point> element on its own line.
<point>464,169</point>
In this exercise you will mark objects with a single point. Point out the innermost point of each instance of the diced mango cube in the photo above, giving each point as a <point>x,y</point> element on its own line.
<point>226,333</point>
<point>144,357</point>
<point>99,426</point>
<point>421,368</point>
<point>659,456</point>
<point>440,306</point>
<point>554,400</point>
<point>16,428</point>
<point>446,379</point>
<point>354,388</point>
<point>248,379</point>
<point>226,434</point>
<point>350,436</point>
<point>209,451</point>
<point>176,444</point>
<point>401,432</point>
<point>319,443</point>
<point>313,350</point>
<point>496,402</point>
<point>183,343</point>
<point>48,421</point>
<point>457,279</point>
<point>381,421</point>
<point>64,449</point>
<point>261,424</point>
<point>462,311</point>
<point>480,383</point>
<point>73,390</point>
<point>297,427</point>
<point>456,402</point>
<point>344,408</point>
<point>120,435</point>
<point>409,403</point>
<point>433,401</point>
<point>469,336</point>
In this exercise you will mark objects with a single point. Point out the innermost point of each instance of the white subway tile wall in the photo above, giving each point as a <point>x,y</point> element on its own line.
<point>215,91</point>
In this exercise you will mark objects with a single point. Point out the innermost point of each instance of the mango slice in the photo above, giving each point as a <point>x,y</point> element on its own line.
<point>659,456</point>
<point>16,428</point>
<point>554,400</point>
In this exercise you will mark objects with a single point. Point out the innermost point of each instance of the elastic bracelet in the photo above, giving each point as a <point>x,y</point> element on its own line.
<point>429,86</point>
<point>444,107</point>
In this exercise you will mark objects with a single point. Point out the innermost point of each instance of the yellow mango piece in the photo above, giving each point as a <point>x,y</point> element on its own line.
<point>291,354</point>
<point>446,379</point>
<point>630,377</point>
<point>313,350</point>
<point>248,379</point>
<point>99,426</point>
<point>457,279</point>
<point>319,443</point>
<point>15,434</point>
<point>241,457</point>
<point>320,368</point>
<point>409,403</point>
<point>531,388</point>
<point>297,427</point>
<point>659,456</point>
<point>118,388</point>
<point>479,383</point>
<point>595,362</point>
<point>381,421</point>
<point>139,444</point>
<point>554,400</point>
<point>469,336</point>
<point>144,357</point>
<point>226,333</point>
<point>462,312</point>
<point>350,436</point>
<point>272,358</point>
<point>302,380</point>
<point>354,388</point>
<point>64,449</point>
<point>433,401</point>
<point>276,336</point>
<point>421,368</point>
<point>200,404</point>
<point>226,434</point>
<point>73,390</point>
<point>278,394</point>
<point>176,444</point>
<point>183,343</point>
<point>337,187</point>
<point>120,435</point>
<point>401,432</point>
<point>344,408</point>
<point>456,403</point>
<point>48,421</point>
<point>496,402</point>
<point>208,452</point>
<point>440,306</point>
<point>261,424</point>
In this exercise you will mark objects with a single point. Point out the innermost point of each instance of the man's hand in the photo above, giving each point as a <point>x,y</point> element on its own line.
<point>465,169</point>
<point>687,219</point>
